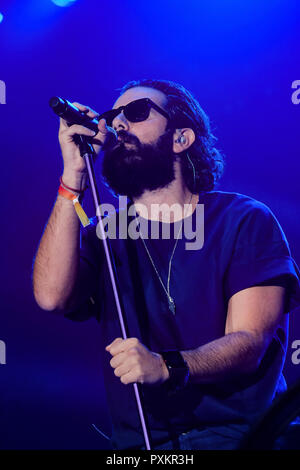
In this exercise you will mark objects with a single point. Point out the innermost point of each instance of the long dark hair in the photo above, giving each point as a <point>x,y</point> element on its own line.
<point>185,111</point>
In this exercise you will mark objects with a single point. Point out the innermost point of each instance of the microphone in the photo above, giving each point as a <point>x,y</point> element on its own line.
<point>67,111</point>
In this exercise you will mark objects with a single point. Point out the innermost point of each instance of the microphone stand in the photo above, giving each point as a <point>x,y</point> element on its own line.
<point>87,153</point>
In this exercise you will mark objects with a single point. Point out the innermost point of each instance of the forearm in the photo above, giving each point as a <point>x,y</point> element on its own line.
<point>228,356</point>
<point>57,259</point>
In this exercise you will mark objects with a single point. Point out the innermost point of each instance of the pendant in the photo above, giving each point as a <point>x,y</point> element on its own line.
<point>171,304</point>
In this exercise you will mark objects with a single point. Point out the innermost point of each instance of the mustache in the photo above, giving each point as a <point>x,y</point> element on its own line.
<point>125,137</point>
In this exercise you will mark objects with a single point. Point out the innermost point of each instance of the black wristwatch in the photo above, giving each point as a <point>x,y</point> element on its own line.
<point>178,370</point>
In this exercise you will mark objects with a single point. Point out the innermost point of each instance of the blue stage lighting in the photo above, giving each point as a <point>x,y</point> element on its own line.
<point>63,3</point>
<point>1,17</point>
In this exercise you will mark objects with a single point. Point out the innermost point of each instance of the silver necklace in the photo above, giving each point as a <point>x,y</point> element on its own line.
<point>171,301</point>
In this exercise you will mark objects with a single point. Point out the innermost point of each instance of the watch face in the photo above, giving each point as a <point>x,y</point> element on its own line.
<point>178,369</point>
<point>174,359</point>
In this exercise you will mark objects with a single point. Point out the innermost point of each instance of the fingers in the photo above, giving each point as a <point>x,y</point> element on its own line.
<point>132,376</point>
<point>117,360</point>
<point>86,109</point>
<point>129,371</point>
<point>100,138</point>
<point>133,362</point>
<point>126,368</point>
<point>103,128</point>
<point>119,345</point>
<point>127,359</point>
<point>67,134</point>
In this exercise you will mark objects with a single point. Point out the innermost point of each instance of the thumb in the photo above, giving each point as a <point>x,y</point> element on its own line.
<point>102,126</point>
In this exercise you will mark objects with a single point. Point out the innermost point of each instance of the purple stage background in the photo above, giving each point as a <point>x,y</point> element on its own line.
<point>238,58</point>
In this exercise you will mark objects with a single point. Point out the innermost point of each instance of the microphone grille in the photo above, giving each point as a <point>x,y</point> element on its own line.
<point>57,104</point>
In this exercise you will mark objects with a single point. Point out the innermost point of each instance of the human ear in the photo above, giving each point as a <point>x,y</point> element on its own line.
<point>183,139</point>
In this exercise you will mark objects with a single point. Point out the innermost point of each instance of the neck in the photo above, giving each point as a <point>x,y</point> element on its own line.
<point>169,204</point>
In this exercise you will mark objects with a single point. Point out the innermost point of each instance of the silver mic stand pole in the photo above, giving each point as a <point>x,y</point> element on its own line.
<point>87,153</point>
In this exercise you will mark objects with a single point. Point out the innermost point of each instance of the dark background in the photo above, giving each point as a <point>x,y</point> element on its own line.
<point>238,58</point>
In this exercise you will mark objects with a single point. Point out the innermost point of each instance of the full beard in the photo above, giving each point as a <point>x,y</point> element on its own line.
<point>131,168</point>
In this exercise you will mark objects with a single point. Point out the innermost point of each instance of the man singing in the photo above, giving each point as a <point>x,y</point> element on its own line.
<point>207,326</point>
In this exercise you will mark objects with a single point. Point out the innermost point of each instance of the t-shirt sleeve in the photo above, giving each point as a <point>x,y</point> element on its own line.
<point>86,302</point>
<point>261,256</point>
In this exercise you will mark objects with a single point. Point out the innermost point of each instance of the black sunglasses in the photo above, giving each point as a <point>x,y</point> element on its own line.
<point>136,111</point>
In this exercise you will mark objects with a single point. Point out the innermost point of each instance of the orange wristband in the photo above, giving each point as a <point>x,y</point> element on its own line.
<point>78,207</point>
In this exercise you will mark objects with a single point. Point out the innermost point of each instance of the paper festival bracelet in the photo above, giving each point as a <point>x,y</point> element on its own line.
<point>78,207</point>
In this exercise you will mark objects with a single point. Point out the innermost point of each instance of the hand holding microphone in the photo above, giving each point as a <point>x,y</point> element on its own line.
<point>77,119</point>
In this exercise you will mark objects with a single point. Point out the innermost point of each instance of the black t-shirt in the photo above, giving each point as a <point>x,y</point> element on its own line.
<point>244,246</point>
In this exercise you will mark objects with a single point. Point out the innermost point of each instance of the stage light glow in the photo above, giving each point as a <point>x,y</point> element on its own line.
<point>63,3</point>
<point>1,17</point>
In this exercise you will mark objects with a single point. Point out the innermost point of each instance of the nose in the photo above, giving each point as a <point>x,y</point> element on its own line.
<point>120,122</point>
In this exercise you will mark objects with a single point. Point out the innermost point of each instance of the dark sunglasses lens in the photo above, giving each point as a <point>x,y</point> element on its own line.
<point>137,111</point>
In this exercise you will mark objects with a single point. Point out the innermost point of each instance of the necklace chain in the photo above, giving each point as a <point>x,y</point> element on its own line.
<point>167,290</point>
